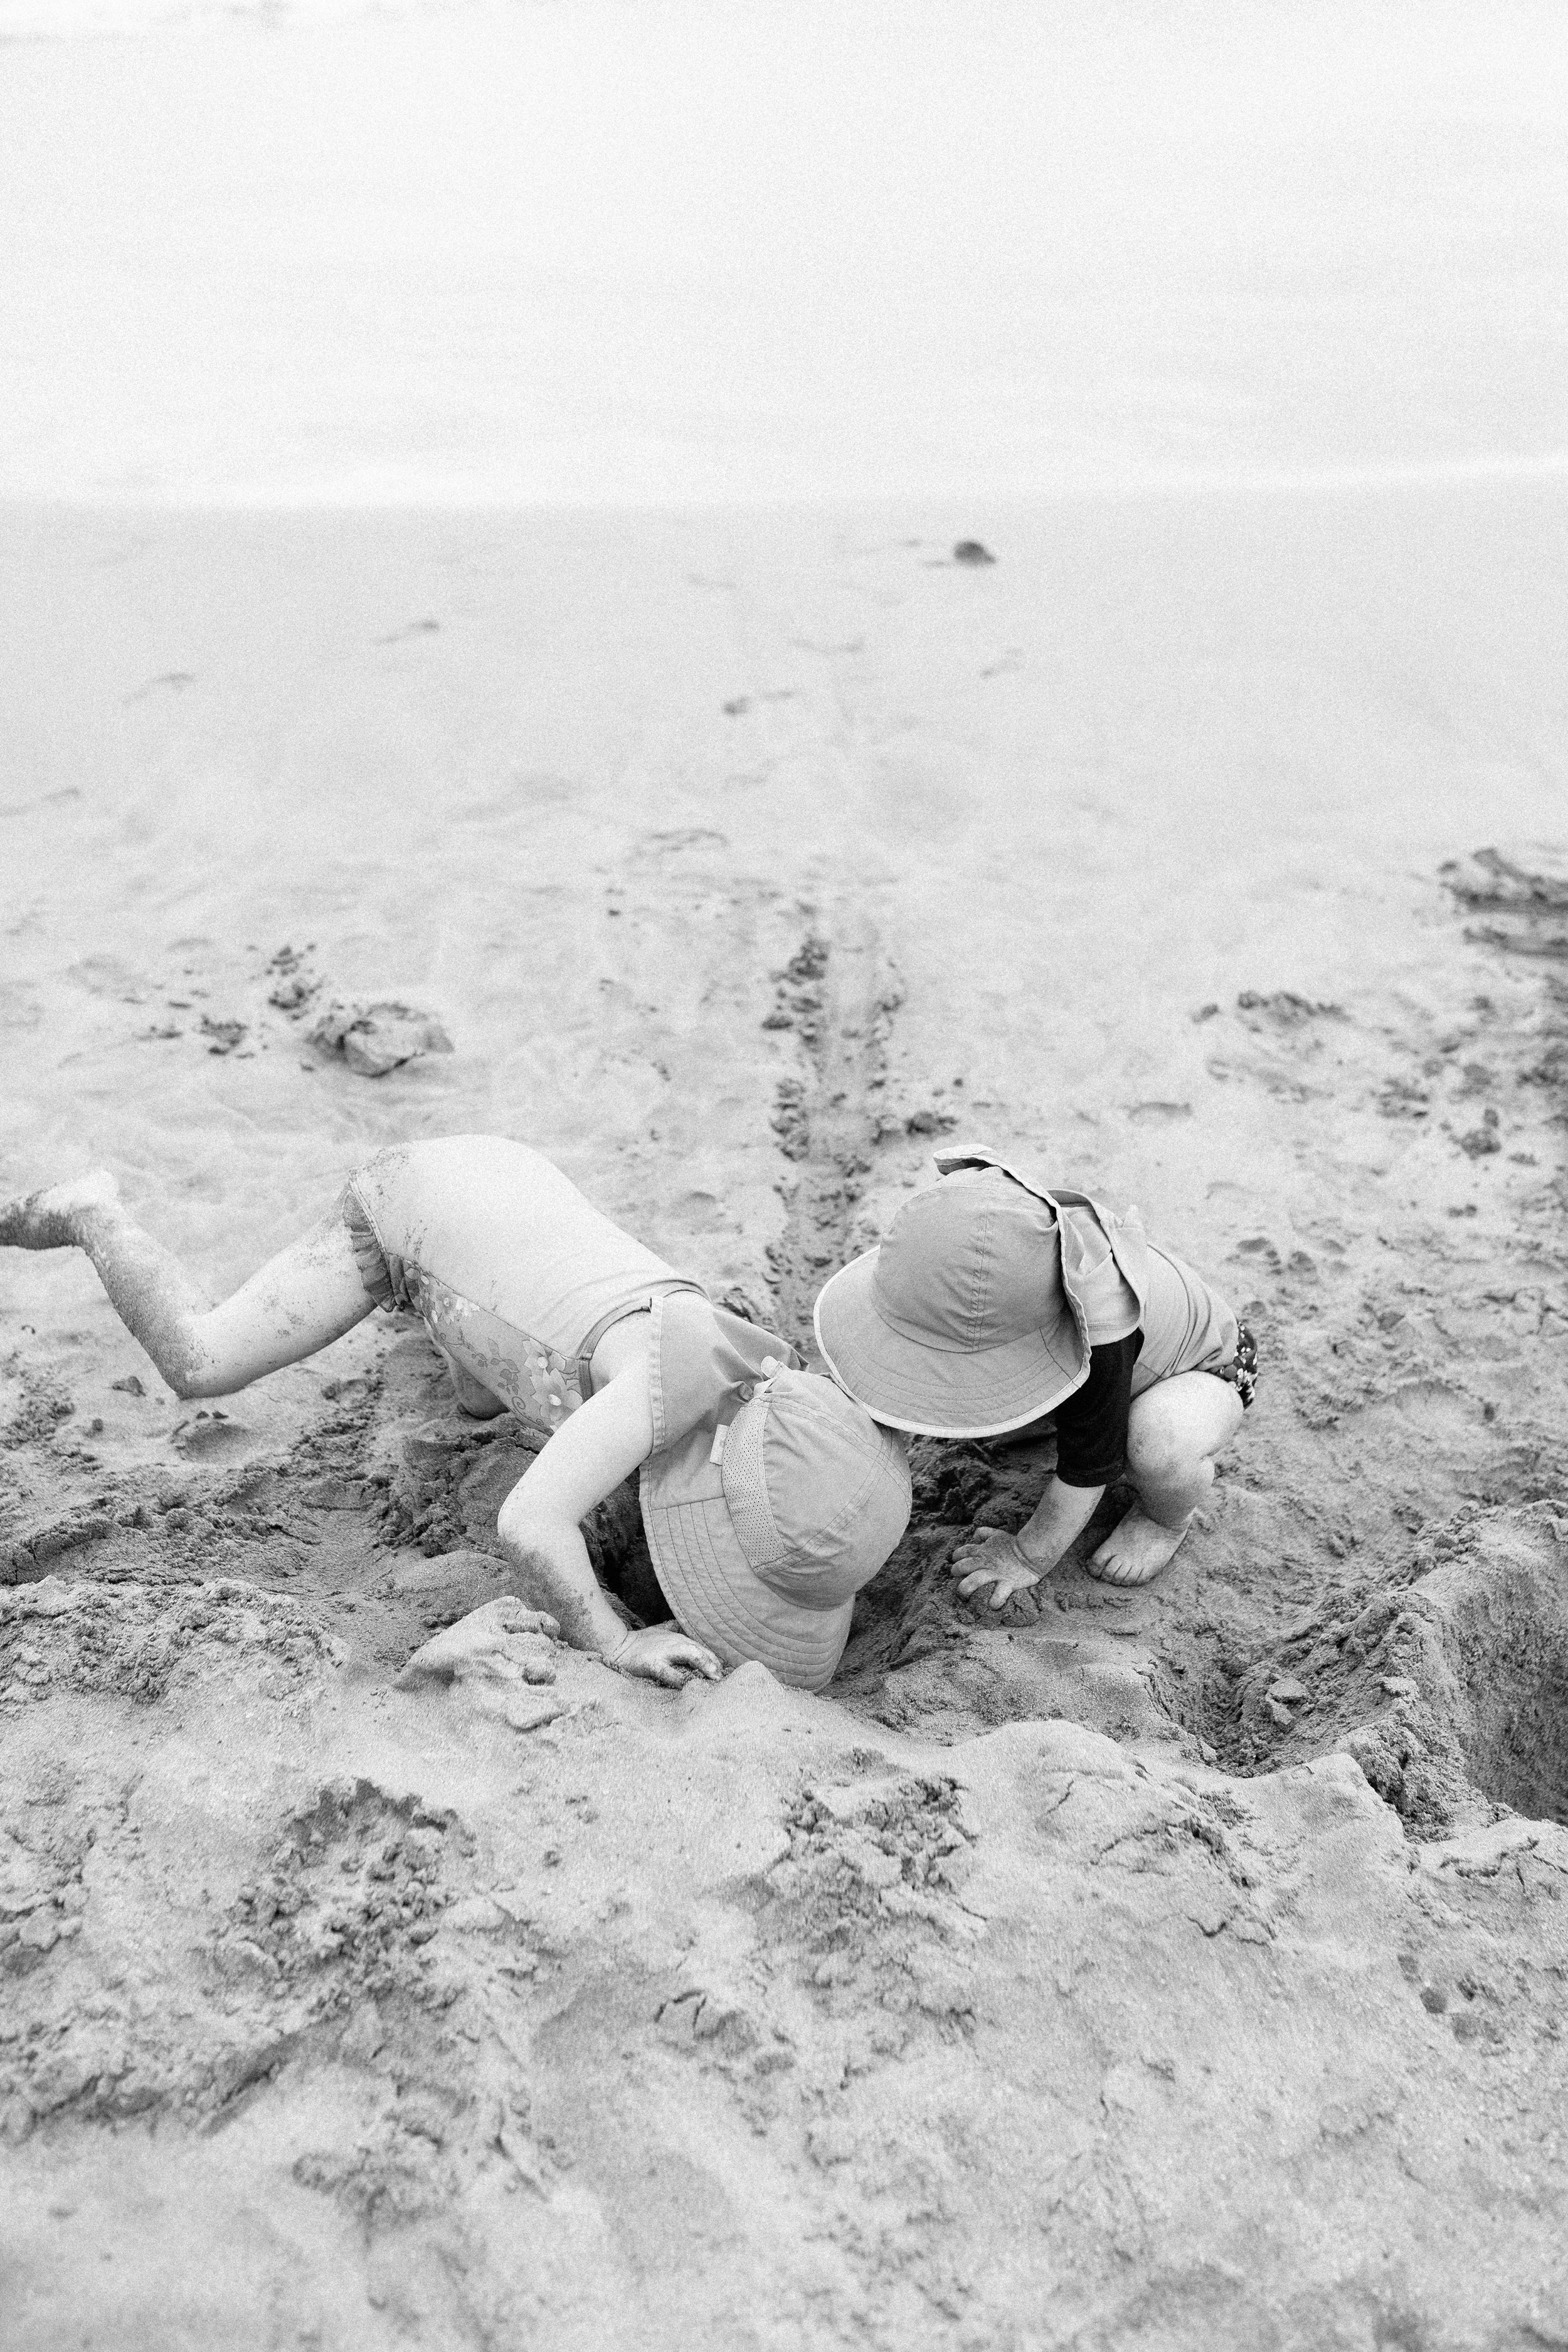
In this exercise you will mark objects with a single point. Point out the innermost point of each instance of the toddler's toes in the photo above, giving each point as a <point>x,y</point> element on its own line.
<point>1136,1551</point>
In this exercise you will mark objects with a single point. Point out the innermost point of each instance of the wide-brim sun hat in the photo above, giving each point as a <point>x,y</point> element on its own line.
<point>762,1530</point>
<point>960,1325</point>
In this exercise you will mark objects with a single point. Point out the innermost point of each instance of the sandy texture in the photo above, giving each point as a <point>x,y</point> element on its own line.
<point>1183,1968</point>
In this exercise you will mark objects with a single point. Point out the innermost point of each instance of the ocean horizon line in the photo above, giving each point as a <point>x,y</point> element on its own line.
<point>459,494</point>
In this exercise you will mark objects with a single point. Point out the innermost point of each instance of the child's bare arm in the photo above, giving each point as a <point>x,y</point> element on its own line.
<point>1012,1563</point>
<point>538,1523</point>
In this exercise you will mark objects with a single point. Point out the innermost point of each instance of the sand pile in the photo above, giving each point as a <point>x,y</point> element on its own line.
<point>1033,2033</point>
<point>1171,1968</point>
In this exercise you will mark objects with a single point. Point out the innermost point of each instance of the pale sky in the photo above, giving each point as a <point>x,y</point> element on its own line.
<point>648,251</point>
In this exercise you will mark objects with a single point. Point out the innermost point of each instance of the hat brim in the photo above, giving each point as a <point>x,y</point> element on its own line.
<point>933,1392</point>
<point>717,1596</point>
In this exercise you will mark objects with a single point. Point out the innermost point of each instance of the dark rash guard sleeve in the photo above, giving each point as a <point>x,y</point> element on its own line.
<point>1091,1426</point>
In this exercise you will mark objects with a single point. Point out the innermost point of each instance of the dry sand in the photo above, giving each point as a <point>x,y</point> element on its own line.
<point>1183,1968</point>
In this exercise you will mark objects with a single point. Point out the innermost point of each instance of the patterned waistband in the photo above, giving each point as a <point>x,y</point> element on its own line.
<point>1242,1371</point>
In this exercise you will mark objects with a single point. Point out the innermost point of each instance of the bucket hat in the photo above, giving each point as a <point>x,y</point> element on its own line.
<point>764,1521</point>
<point>966,1322</point>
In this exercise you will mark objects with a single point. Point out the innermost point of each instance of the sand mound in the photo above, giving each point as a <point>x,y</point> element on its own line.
<point>1488,1650</point>
<point>1169,1968</point>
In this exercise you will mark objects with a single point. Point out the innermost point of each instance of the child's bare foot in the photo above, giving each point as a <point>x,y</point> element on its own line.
<point>51,1218</point>
<point>1136,1551</point>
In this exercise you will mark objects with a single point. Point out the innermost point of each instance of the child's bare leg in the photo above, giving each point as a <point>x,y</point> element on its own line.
<point>477,1402</point>
<point>309,1294</point>
<point>1173,1433</point>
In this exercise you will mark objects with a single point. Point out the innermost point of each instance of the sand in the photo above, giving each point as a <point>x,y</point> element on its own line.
<point>477,512</point>
<point>1179,1968</point>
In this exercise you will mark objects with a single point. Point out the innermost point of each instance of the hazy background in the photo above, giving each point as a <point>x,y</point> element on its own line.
<point>618,251</point>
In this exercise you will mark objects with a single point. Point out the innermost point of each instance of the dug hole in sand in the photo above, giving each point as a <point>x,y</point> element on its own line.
<point>1172,1968</point>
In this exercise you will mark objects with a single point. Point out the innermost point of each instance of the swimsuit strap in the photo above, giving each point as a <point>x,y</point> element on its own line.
<point>618,1314</point>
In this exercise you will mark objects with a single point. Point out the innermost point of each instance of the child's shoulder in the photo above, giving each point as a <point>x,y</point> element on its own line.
<point>707,1363</point>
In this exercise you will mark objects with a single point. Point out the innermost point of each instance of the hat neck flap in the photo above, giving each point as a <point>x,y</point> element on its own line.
<point>1129,1243</point>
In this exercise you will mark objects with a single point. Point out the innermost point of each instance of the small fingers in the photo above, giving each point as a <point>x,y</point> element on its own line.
<point>976,1582</point>
<point>676,1673</point>
<point>975,1548</point>
<point>694,1659</point>
<point>672,1662</point>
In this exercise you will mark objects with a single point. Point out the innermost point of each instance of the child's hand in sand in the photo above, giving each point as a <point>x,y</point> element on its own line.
<point>504,1642</point>
<point>992,1558</point>
<point>663,1653</point>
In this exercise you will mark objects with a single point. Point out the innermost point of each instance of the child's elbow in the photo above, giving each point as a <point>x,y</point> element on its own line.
<point>519,1524</point>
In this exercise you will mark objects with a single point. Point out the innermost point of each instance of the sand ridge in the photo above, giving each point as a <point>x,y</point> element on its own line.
<point>1168,1968</point>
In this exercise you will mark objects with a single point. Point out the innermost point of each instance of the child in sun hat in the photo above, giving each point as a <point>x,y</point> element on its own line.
<point>768,1496</point>
<point>998,1303</point>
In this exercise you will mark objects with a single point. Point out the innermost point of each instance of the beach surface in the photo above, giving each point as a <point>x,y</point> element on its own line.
<point>1181,1967</point>
<point>1174,1968</point>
